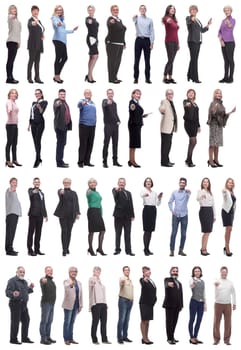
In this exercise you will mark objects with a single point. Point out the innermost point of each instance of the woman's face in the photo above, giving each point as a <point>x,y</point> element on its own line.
<point>197,273</point>
<point>115,11</point>
<point>59,11</point>
<point>227,11</point>
<point>148,183</point>
<point>205,183</point>
<point>147,273</point>
<point>218,95</point>
<point>91,11</point>
<point>172,11</point>
<point>137,95</point>
<point>35,13</point>
<point>13,95</point>
<point>191,95</point>
<point>230,185</point>
<point>92,184</point>
<point>13,11</point>
<point>38,94</point>
<point>193,12</point>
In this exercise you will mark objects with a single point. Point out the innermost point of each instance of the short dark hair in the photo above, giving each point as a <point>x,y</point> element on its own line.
<point>125,267</point>
<point>34,7</point>
<point>183,179</point>
<point>13,179</point>
<point>145,268</point>
<point>199,268</point>
<point>224,268</point>
<point>62,90</point>
<point>36,178</point>
<point>148,178</point>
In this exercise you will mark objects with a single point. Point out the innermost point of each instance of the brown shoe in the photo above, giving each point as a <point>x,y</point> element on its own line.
<point>72,341</point>
<point>67,342</point>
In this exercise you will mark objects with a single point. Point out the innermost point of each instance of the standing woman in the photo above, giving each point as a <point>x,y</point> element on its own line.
<point>191,123</point>
<point>35,44</point>
<point>13,41</point>
<point>12,128</point>
<point>92,42</point>
<point>225,35</point>
<point>217,119</point>
<point>135,123</point>
<point>150,201</point>
<point>36,123</point>
<point>228,210</point>
<point>171,42</point>
<point>115,43</point>
<point>146,302</point>
<point>207,214</point>
<point>94,214</point>
<point>197,304</point>
<point>60,41</point>
<point>195,30</point>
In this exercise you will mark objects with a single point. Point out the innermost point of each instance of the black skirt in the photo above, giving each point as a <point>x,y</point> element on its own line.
<point>227,218</point>
<point>206,219</point>
<point>135,136</point>
<point>191,128</point>
<point>95,220</point>
<point>149,218</point>
<point>146,312</point>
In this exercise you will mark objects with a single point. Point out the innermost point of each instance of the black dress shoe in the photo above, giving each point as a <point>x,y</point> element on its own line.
<point>30,81</point>
<point>51,340</point>
<point>171,342</point>
<point>59,81</point>
<point>12,81</point>
<point>148,81</point>
<point>135,81</point>
<point>38,81</point>
<point>32,253</point>
<point>197,81</point>
<point>224,80</point>
<point>115,81</point>
<point>172,81</point>
<point>130,253</point>
<point>168,165</point>
<point>62,165</point>
<point>12,253</point>
<point>89,164</point>
<point>15,342</point>
<point>80,165</point>
<point>45,342</point>
<point>27,340</point>
<point>127,340</point>
<point>166,81</point>
<point>120,341</point>
<point>117,164</point>
<point>116,252</point>
<point>38,252</point>
<point>105,165</point>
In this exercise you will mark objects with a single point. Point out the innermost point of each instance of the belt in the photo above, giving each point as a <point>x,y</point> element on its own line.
<point>143,37</point>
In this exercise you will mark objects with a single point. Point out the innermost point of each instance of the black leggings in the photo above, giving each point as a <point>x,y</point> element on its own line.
<point>37,132</point>
<point>12,52</point>
<point>171,48</point>
<point>12,140</point>
<point>228,52</point>
<point>60,56</point>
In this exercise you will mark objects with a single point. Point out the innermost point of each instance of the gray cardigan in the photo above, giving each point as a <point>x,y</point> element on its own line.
<point>12,203</point>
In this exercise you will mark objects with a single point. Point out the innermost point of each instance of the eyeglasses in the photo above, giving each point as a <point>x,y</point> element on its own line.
<point>73,271</point>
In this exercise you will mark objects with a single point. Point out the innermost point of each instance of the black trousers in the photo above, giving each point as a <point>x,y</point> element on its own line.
<point>61,56</point>
<point>86,142</point>
<point>194,49</point>
<point>11,225</point>
<point>34,229</point>
<point>171,321</point>
<point>166,143</point>
<point>61,136</point>
<point>37,132</point>
<point>114,54</point>
<point>34,58</point>
<point>111,131</point>
<point>142,44</point>
<point>12,52</point>
<point>99,313</point>
<point>171,48</point>
<point>12,140</point>
<point>66,229</point>
<point>123,223</point>
<point>228,53</point>
<point>19,313</point>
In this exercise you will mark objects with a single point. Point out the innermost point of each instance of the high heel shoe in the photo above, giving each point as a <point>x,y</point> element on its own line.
<point>192,341</point>
<point>130,163</point>
<point>189,164</point>
<point>59,81</point>
<point>16,163</point>
<point>217,163</point>
<point>204,252</point>
<point>37,163</point>
<point>88,80</point>
<point>146,342</point>
<point>100,251</point>
<point>9,164</point>
<point>213,165</point>
<point>226,253</point>
<point>91,252</point>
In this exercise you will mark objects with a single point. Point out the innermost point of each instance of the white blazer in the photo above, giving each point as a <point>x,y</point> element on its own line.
<point>227,201</point>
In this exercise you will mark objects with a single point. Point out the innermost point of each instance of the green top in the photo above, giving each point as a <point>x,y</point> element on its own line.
<point>94,199</point>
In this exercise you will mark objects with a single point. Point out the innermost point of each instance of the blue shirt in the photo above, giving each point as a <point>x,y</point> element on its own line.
<point>144,27</point>
<point>178,202</point>
<point>60,31</point>
<point>87,113</point>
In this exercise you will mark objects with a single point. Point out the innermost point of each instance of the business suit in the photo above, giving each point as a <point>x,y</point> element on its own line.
<point>35,47</point>
<point>123,214</point>
<point>135,124</point>
<point>195,30</point>
<point>173,303</point>
<point>36,213</point>
<point>67,210</point>
<point>147,299</point>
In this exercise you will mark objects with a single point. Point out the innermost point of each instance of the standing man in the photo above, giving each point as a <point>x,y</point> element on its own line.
<point>178,206</point>
<point>144,41</point>
<point>67,211</point>
<point>37,212</point>
<point>168,127</point>
<point>126,296</point>
<point>173,303</point>
<point>87,123</point>
<point>111,128</point>
<point>48,289</point>
<point>62,123</point>
<point>225,302</point>
<point>17,291</point>
<point>123,216</point>
<point>13,211</point>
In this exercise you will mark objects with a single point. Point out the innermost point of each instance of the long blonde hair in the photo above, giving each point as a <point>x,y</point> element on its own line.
<point>55,10</point>
<point>12,7</point>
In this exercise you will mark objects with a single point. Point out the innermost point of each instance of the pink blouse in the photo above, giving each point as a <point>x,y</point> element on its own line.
<point>12,112</point>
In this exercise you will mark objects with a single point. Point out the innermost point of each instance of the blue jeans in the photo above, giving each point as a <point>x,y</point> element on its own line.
<point>69,318</point>
<point>175,223</point>
<point>47,314</point>
<point>124,306</point>
<point>196,309</point>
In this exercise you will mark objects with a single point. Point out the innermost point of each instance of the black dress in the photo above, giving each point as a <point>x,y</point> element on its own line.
<point>228,217</point>
<point>147,299</point>
<point>135,123</point>
<point>92,36</point>
<point>191,118</point>
<point>206,219</point>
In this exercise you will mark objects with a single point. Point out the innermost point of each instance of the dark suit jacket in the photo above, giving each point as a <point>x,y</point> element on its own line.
<point>59,117</point>
<point>35,41</point>
<point>135,114</point>
<point>68,206</point>
<point>123,204</point>
<point>194,30</point>
<point>148,293</point>
<point>173,295</point>
<point>37,203</point>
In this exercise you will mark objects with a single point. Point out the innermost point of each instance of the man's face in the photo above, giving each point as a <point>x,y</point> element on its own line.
<point>224,273</point>
<point>49,271</point>
<point>21,273</point>
<point>62,96</point>
<point>174,272</point>
<point>182,184</point>
<point>36,183</point>
<point>126,271</point>
<point>110,94</point>
<point>142,10</point>
<point>122,183</point>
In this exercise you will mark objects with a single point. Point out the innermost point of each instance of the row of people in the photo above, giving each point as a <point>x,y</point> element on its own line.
<point>115,42</point>
<point>68,211</point>
<point>18,290</point>
<point>217,120</point>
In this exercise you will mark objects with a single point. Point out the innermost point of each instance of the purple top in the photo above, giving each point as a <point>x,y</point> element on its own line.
<point>226,31</point>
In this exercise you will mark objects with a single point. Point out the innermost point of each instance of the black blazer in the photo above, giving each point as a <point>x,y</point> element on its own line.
<point>173,295</point>
<point>195,30</point>
<point>135,114</point>
<point>37,203</point>
<point>123,204</point>
<point>59,116</point>
<point>68,206</point>
<point>148,293</point>
<point>116,31</point>
<point>35,38</point>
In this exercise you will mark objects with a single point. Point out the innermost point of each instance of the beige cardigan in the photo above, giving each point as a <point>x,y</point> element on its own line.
<point>167,121</point>
<point>70,295</point>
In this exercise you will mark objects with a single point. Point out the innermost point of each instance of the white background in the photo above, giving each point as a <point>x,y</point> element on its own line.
<point>166,180</point>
